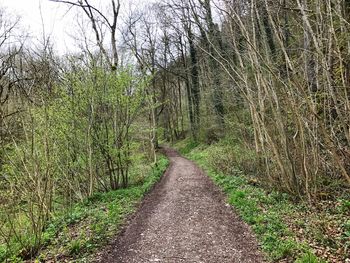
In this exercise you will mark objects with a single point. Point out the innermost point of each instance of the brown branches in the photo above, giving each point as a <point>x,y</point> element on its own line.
<point>93,14</point>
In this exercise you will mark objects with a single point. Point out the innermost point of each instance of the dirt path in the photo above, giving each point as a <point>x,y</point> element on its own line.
<point>184,219</point>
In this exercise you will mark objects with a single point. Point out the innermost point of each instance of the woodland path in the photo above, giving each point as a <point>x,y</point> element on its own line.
<point>183,219</point>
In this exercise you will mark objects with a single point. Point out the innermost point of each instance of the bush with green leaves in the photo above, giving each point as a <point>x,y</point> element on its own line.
<point>79,141</point>
<point>228,157</point>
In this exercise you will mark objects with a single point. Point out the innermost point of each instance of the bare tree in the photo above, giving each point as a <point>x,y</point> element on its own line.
<point>98,19</point>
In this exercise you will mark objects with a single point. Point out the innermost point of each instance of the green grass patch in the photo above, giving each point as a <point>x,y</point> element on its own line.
<point>89,224</point>
<point>263,210</point>
<point>186,146</point>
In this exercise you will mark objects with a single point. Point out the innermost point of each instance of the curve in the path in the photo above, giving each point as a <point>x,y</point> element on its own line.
<point>184,219</point>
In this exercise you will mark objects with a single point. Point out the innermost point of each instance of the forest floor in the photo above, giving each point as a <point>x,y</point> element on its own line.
<point>184,219</point>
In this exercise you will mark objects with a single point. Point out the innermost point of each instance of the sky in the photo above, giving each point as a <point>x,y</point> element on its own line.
<point>55,17</point>
<point>59,23</point>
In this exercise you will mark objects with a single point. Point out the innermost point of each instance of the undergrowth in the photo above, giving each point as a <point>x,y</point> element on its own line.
<point>89,224</point>
<point>263,210</point>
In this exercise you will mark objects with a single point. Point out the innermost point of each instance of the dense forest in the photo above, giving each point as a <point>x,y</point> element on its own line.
<point>266,82</point>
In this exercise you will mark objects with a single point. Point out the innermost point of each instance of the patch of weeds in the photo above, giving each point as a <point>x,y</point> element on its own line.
<point>345,206</point>
<point>345,239</point>
<point>309,258</point>
<point>2,252</point>
<point>75,247</point>
<point>347,228</point>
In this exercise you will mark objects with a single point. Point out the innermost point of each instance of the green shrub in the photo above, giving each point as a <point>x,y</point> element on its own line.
<point>229,158</point>
<point>87,225</point>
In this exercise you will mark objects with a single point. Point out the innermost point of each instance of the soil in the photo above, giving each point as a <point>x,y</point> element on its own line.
<point>183,219</point>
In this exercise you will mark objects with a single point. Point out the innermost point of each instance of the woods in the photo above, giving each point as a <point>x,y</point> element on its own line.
<point>267,79</point>
<point>273,75</point>
<point>67,132</point>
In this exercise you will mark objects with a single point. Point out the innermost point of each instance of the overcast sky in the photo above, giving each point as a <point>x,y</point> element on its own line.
<point>56,20</point>
<point>58,23</point>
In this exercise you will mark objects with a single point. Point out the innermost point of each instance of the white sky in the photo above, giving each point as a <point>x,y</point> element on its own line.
<point>56,20</point>
<point>58,24</point>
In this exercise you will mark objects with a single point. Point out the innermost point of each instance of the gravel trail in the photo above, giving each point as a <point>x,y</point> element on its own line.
<point>183,219</point>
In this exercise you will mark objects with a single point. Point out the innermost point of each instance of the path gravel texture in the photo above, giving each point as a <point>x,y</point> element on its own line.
<point>184,219</point>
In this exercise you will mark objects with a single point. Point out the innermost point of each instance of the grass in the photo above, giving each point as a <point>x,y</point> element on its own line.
<point>265,211</point>
<point>90,224</point>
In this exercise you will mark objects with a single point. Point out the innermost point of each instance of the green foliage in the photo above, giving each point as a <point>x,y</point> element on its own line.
<point>228,158</point>
<point>309,258</point>
<point>78,142</point>
<point>89,223</point>
<point>75,246</point>
<point>187,146</point>
<point>155,174</point>
<point>346,236</point>
<point>345,206</point>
